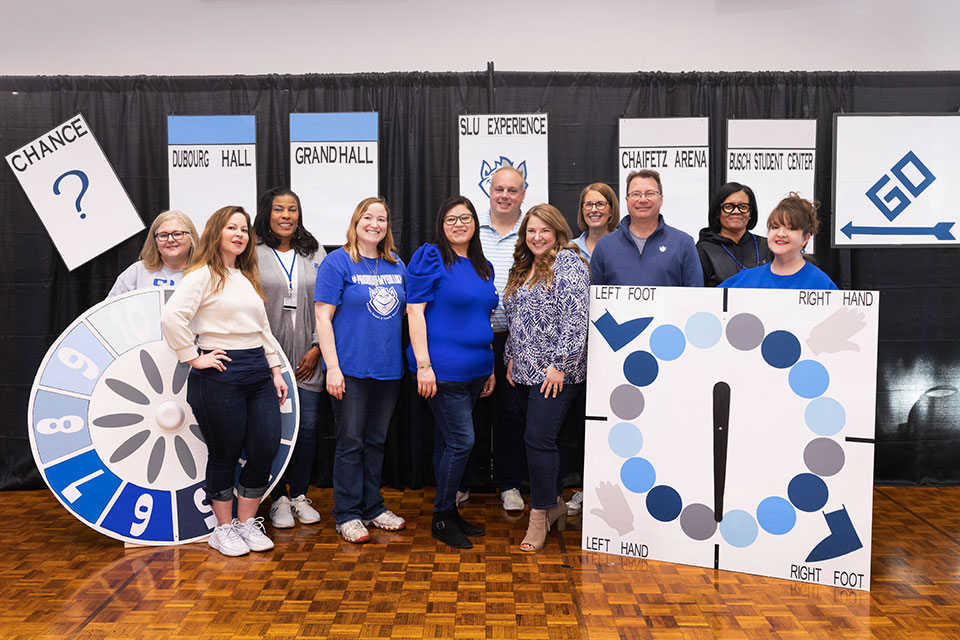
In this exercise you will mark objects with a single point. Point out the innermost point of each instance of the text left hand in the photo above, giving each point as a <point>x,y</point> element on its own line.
<point>281,387</point>
<point>308,364</point>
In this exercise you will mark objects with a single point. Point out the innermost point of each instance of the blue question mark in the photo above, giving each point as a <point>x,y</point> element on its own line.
<point>84,183</point>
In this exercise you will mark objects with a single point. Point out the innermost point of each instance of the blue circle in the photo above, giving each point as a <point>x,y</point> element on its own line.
<point>739,528</point>
<point>780,349</point>
<point>625,439</point>
<point>640,368</point>
<point>776,515</point>
<point>667,342</point>
<point>809,379</point>
<point>703,330</point>
<point>637,475</point>
<point>825,416</point>
<point>807,492</point>
<point>664,503</point>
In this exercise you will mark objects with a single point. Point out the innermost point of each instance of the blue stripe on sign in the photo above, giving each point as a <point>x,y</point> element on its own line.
<point>333,127</point>
<point>211,129</point>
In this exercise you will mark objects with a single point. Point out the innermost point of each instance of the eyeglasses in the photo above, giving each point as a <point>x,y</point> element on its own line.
<point>599,206</point>
<point>163,236</point>
<point>463,218</point>
<point>730,207</point>
<point>649,195</point>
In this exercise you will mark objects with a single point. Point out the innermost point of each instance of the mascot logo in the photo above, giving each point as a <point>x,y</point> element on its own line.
<point>486,171</point>
<point>383,302</point>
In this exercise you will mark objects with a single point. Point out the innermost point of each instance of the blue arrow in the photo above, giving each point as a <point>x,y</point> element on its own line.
<point>941,231</point>
<point>619,334</point>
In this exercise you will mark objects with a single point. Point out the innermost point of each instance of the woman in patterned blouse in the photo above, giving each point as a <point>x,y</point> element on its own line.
<point>546,302</point>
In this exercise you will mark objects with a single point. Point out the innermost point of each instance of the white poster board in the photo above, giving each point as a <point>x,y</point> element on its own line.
<point>212,163</point>
<point>754,404</point>
<point>489,141</point>
<point>772,157</point>
<point>334,164</point>
<point>678,148</point>
<point>895,180</point>
<point>75,191</point>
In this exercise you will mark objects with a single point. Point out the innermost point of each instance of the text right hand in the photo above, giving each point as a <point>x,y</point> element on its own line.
<point>335,383</point>
<point>510,372</point>
<point>212,360</point>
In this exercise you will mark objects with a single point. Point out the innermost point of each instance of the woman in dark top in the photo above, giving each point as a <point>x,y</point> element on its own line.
<point>726,246</point>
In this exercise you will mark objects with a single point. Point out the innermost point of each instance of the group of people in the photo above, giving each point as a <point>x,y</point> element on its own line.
<point>497,304</point>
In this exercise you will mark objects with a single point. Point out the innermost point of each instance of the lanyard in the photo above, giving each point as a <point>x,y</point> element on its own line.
<point>756,248</point>
<point>293,264</point>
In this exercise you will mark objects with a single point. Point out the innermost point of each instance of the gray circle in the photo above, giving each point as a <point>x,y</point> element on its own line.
<point>823,456</point>
<point>696,520</point>
<point>626,402</point>
<point>745,331</point>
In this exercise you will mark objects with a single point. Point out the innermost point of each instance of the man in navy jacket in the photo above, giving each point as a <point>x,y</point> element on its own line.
<point>644,250</point>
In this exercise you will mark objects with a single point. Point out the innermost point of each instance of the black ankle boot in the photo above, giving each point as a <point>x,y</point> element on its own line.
<point>446,529</point>
<point>471,530</point>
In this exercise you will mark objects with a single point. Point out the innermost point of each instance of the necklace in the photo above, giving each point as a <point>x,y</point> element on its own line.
<point>755,248</point>
<point>375,272</point>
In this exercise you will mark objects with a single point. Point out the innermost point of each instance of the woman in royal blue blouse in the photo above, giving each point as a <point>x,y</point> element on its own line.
<point>450,296</point>
<point>547,305</point>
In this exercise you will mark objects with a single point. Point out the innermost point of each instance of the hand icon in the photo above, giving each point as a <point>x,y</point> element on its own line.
<point>614,508</point>
<point>834,333</point>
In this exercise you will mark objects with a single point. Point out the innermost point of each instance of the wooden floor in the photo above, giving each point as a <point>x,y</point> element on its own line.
<point>60,579</point>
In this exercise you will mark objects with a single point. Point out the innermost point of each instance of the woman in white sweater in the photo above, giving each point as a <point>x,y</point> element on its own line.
<point>235,388</point>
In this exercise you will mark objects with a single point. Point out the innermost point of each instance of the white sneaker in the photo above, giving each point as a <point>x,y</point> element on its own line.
<point>227,541</point>
<point>353,531</point>
<point>281,514</point>
<point>253,534</point>
<point>512,500</point>
<point>462,496</point>
<point>575,504</point>
<point>304,512</point>
<point>388,521</point>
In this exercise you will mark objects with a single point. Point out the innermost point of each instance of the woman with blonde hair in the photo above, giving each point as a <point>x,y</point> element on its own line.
<point>598,214</point>
<point>547,306</point>
<point>235,387</point>
<point>359,304</point>
<point>167,251</point>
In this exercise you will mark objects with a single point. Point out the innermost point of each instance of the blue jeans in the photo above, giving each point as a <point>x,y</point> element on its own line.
<point>509,456</point>
<point>452,408</point>
<point>301,462</point>
<point>235,418</point>
<point>362,418</point>
<point>544,418</point>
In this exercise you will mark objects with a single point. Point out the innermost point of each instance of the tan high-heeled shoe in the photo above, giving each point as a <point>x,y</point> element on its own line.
<point>536,531</point>
<point>558,515</point>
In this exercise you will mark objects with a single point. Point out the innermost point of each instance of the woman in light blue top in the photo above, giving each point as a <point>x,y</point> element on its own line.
<point>598,215</point>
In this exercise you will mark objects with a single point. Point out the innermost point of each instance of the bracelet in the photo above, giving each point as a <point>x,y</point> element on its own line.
<point>424,366</point>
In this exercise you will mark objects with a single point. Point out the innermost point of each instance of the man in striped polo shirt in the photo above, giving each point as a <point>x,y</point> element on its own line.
<point>499,230</point>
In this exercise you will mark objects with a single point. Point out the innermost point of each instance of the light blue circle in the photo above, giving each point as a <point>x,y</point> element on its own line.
<point>703,330</point>
<point>776,515</point>
<point>739,528</point>
<point>825,416</point>
<point>637,475</point>
<point>809,379</point>
<point>667,342</point>
<point>625,439</point>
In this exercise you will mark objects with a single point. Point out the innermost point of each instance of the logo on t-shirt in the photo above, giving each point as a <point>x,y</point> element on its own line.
<point>383,302</point>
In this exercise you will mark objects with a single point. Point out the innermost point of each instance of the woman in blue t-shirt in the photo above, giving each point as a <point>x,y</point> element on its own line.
<point>790,226</point>
<point>450,298</point>
<point>360,294</point>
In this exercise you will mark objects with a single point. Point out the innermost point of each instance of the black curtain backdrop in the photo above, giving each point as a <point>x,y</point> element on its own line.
<point>918,406</point>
